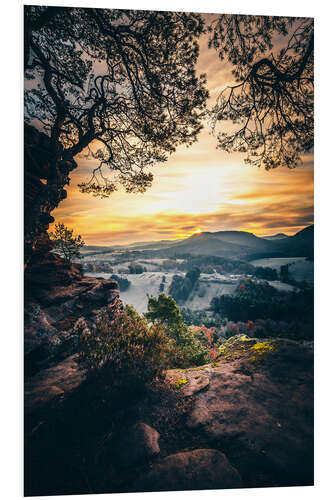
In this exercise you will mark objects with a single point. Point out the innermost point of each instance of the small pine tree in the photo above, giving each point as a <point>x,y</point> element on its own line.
<point>66,244</point>
<point>188,350</point>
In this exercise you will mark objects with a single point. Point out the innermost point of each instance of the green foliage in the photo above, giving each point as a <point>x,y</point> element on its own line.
<point>66,244</point>
<point>188,349</point>
<point>124,352</point>
<point>164,310</point>
<point>200,317</point>
<point>285,313</point>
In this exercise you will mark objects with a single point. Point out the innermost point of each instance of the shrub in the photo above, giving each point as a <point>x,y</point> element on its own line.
<point>208,337</point>
<point>187,350</point>
<point>124,352</point>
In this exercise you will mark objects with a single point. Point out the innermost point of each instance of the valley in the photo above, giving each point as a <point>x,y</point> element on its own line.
<point>223,259</point>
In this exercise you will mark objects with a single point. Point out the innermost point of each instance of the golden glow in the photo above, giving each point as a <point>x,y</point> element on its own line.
<point>199,187</point>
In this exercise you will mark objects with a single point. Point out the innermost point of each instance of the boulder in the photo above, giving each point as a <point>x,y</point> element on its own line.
<point>264,407</point>
<point>46,271</point>
<point>200,469</point>
<point>51,382</point>
<point>138,445</point>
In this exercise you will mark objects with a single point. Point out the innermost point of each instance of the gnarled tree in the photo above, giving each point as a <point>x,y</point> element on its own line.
<point>119,85</point>
<point>270,105</point>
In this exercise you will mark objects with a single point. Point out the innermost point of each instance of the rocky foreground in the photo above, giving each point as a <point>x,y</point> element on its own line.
<point>245,420</point>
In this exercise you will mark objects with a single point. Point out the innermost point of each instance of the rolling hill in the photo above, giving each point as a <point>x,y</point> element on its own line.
<point>299,245</point>
<point>222,244</point>
<point>228,244</point>
<point>274,237</point>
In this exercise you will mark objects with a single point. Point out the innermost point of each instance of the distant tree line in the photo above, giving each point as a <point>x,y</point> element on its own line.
<point>181,288</point>
<point>200,317</point>
<point>135,268</point>
<point>123,283</point>
<point>253,301</point>
<point>210,263</point>
<point>263,328</point>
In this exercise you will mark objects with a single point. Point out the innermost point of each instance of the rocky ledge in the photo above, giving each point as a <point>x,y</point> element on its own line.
<point>57,295</point>
<point>257,398</point>
<point>245,420</point>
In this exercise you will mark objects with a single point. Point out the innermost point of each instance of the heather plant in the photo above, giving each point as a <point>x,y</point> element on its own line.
<point>124,352</point>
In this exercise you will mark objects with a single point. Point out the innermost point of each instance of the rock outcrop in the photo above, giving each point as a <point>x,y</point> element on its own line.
<point>45,176</point>
<point>56,297</point>
<point>52,382</point>
<point>245,419</point>
<point>259,400</point>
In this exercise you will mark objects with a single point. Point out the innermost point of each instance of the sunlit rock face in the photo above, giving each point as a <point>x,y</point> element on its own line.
<point>44,181</point>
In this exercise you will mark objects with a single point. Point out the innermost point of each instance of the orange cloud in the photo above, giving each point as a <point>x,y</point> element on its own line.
<point>199,187</point>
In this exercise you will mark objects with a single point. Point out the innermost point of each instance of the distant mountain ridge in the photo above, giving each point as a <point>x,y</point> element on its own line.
<point>229,244</point>
<point>222,244</point>
<point>279,236</point>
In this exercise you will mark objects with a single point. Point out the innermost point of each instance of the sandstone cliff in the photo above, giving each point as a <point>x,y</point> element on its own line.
<point>44,180</point>
<point>56,297</point>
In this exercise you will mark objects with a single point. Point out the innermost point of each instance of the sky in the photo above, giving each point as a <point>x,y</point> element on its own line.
<point>198,189</point>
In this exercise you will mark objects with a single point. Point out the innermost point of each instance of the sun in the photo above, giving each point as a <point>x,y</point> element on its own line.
<point>198,231</point>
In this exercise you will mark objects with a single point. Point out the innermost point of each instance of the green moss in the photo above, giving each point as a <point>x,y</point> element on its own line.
<point>180,382</point>
<point>235,345</point>
<point>259,349</point>
<point>262,347</point>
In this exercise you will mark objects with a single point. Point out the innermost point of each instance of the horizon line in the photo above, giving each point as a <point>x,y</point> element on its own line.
<point>193,234</point>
